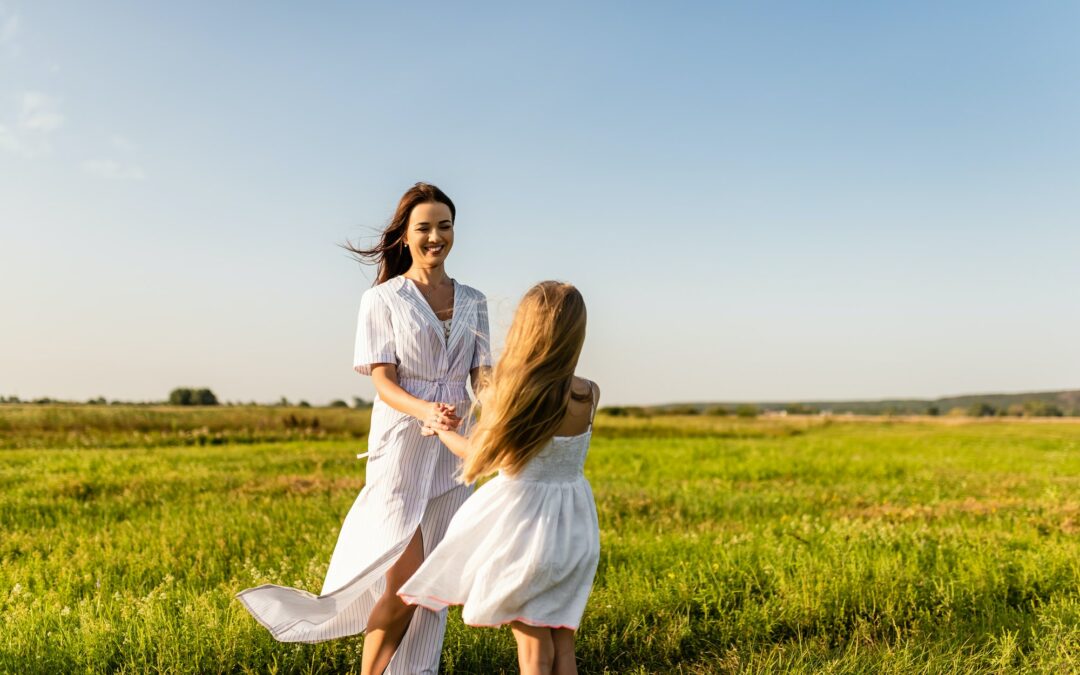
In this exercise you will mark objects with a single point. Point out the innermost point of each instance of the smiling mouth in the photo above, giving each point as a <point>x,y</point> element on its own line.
<point>434,250</point>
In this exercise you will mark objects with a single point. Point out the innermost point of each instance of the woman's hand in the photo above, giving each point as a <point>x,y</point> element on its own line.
<point>385,377</point>
<point>438,416</point>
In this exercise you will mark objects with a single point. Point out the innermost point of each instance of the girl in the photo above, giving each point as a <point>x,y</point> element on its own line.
<point>523,550</point>
<point>420,335</point>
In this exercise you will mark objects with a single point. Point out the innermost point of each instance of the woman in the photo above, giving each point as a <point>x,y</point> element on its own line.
<point>420,335</point>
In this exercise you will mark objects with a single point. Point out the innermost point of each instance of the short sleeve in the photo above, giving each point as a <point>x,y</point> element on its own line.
<point>482,343</point>
<point>374,334</point>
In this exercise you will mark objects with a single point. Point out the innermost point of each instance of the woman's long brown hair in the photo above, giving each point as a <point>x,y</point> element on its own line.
<point>527,397</point>
<point>391,254</point>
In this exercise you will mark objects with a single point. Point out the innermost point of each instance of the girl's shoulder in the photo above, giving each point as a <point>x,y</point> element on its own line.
<point>584,387</point>
<point>587,394</point>
<point>581,408</point>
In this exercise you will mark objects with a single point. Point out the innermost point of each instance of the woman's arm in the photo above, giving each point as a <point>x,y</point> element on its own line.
<point>480,365</point>
<point>438,415</point>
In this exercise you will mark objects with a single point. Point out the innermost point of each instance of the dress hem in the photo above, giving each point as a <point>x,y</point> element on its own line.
<point>277,632</point>
<point>441,604</point>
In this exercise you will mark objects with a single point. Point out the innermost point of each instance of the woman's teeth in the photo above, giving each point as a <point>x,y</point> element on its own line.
<point>433,249</point>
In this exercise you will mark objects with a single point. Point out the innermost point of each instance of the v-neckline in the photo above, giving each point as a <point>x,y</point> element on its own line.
<point>430,310</point>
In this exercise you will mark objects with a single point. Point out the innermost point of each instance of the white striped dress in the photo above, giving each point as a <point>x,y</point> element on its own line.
<point>411,479</point>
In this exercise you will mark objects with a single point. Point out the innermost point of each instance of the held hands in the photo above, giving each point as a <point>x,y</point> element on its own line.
<point>438,417</point>
<point>445,426</point>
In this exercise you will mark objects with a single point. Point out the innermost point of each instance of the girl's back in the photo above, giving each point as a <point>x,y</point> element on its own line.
<point>563,458</point>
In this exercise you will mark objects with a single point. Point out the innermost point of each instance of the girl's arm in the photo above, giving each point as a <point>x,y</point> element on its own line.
<point>454,442</point>
<point>479,378</point>
<point>433,414</point>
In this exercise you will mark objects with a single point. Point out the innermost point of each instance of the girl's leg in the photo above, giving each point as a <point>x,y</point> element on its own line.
<point>390,617</point>
<point>536,650</point>
<point>565,659</point>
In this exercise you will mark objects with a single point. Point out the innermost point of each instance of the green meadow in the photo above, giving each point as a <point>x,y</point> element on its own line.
<point>772,545</point>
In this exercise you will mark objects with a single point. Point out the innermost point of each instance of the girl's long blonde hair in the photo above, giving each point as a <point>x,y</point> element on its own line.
<point>529,391</point>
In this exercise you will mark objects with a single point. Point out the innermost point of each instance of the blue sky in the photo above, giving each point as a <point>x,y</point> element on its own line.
<point>759,201</point>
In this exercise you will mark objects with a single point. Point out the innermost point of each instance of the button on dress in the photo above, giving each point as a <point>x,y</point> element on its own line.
<point>411,478</point>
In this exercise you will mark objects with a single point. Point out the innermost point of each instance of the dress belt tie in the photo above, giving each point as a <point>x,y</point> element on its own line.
<point>445,382</point>
<point>440,382</point>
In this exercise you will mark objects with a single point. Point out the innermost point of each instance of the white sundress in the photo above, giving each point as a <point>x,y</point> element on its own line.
<point>410,479</point>
<point>522,548</point>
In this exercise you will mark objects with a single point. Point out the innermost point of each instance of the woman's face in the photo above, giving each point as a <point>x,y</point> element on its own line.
<point>430,233</point>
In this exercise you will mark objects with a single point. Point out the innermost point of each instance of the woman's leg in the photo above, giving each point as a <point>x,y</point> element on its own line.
<point>390,617</point>
<point>421,648</point>
<point>536,651</point>
<point>565,659</point>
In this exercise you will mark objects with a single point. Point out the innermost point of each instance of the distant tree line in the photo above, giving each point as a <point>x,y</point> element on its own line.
<point>189,396</point>
<point>357,402</point>
<point>1028,408</point>
<point>743,410</point>
<point>1031,408</point>
<point>184,396</point>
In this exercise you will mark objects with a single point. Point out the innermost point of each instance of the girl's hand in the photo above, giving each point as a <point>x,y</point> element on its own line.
<point>454,442</point>
<point>435,431</point>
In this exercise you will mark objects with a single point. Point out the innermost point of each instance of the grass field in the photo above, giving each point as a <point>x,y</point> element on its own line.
<point>793,545</point>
